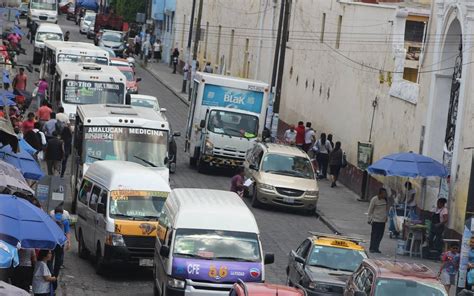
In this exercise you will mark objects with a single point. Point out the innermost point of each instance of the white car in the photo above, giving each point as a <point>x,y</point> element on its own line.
<point>45,31</point>
<point>146,101</point>
<point>87,22</point>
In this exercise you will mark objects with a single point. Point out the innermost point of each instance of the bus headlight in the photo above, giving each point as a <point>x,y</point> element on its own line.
<point>72,116</point>
<point>209,146</point>
<point>114,239</point>
<point>175,283</point>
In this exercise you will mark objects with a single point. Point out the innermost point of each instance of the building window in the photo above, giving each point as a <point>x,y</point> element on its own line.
<point>338,36</point>
<point>323,26</point>
<point>414,34</point>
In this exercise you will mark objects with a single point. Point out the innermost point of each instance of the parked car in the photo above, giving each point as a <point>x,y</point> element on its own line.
<point>114,40</point>
<point>146,101</point>
<point>87,22</point>
<point>387,277</point>
<point>262,289</point>
<point>282,175</point>
<point>129,72</point>
<point>323,263</point>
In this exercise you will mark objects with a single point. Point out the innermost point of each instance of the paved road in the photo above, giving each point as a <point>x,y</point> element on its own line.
<point>280,230</point>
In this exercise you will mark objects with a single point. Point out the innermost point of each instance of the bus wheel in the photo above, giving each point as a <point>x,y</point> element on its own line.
<point>81,248</point>
<point>99,261</point>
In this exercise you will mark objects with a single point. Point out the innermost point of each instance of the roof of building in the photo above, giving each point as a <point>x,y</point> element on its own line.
<point>125,175</point>
<point>211,209</point>
<point>396,269</point>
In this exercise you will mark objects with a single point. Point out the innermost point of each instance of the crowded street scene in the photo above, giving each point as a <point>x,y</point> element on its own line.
<point>249,147</point>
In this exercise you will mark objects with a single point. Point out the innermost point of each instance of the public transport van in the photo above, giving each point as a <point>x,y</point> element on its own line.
<point>70,52</point>
<point>42,11</point>
<point>80,84</point>
<point>119,132</point>
<point>45,31</point>
<point>206,241</point>
<point>119,204</point>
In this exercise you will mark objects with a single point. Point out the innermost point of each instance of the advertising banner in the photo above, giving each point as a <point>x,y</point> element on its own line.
<point>242,99</point>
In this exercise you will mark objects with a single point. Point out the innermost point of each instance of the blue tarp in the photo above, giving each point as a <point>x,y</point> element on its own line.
<point>88,4</point>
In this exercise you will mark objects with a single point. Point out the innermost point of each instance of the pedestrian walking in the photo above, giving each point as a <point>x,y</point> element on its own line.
<point>174,58</point>
<point>322,148</point>
<point>32,33</point>
<point>300,131</point>
<point>208,68</point>
<point>6,79</point>
<point>54,154</point>
<point>61,116</point>
<point>138,44</point>
<point>330,141</point>
<point>23,273</point>
<point>66,36</point>
<point>50,126</point>
<point>439,219</point>
<point>58,253</point>
<point>44,113</point>
<point>28,124</point>
<point>237,182</point>
<point>449,267</point>
<point>336,158</point>
<point>20,82</point>
<point>42,277</point>
<point>40,92</point>
<point>157,50</point>
<point>309,137</point>
<point>289,137</point>
<point>66,137</point>
<point>378,209</point>
<point>146,50</point>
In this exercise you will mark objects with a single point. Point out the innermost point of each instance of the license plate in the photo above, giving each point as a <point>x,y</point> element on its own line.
<point>288,200</point>
<point>145,262</point>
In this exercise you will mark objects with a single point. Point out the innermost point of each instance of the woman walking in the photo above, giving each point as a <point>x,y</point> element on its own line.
<point>42,278</point>
<point>335,163</point>
<point>322,148</point>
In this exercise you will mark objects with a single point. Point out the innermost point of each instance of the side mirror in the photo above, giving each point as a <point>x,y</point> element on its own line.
<point>163,110</point>
<point>359,293</point>
<point>300,260</point>
<point>176,134</point>
<point>253,167</point>
<point>164,251</point>
<point>138,79</point>
<point>166,161</point>
<point>269,258</point>
<point>202,124</point>
<point>128,99</point>
<point>101,209</point>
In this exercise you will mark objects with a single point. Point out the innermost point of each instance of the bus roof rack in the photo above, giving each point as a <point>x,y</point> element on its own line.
<point>91,67</point>
<point>336,236</point>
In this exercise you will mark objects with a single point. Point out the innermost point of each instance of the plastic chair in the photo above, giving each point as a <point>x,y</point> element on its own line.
<point>415,240</point>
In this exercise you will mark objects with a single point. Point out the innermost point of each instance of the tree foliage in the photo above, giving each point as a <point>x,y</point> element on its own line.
<point>129,9</point>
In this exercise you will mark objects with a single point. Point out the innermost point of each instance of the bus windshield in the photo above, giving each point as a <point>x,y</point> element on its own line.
<point>42,36</point>
<point>233,124</point>
<point>43,4</point>
<point>131,204</point>
<point>92,92</point>
<point>147,147</point>
<point>74,58</point>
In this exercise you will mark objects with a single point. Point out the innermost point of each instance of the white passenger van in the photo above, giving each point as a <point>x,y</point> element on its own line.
<point>119,204</point>
<point>45,31</point>
<point>206,241</point>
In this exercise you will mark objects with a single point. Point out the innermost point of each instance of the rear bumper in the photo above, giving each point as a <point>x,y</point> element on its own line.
<point>123,255</point>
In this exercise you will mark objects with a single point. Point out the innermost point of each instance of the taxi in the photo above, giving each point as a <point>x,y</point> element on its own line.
<point>323,263</point>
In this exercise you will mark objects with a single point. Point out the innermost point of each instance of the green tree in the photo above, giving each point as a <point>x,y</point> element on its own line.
<point>129,9</point>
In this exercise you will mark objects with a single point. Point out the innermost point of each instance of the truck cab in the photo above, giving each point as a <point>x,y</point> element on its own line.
<point>226,117</point>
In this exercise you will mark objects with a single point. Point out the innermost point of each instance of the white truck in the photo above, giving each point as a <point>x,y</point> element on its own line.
<point>226,117</point>
<point>42,11</point>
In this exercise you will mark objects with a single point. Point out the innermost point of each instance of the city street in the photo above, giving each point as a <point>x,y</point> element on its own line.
<point>281,230</point>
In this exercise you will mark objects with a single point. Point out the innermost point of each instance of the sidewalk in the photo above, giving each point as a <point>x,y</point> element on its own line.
<point>338,207</point>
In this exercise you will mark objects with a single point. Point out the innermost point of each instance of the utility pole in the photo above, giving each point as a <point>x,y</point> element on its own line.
<point>197,36</point>
<point>188,48</point>
<point>277,46</point>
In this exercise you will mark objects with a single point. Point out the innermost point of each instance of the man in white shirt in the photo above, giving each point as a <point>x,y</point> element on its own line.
<point>290,136</point>
<point>309,137</point>
<point>61,116</point>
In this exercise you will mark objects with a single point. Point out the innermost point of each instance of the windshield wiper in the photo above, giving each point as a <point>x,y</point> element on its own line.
<point>94,157</point>
<point>124,216</point>
<point>323,266</point>
<point>146,161</point>
<point>233,259</point>
<point>191,256</point>
<point>149,217</point>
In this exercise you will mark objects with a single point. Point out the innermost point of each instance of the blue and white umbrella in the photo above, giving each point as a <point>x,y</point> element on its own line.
<point>8,255</point>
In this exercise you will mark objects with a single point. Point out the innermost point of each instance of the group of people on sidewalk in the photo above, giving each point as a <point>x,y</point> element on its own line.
<point>326,153</point>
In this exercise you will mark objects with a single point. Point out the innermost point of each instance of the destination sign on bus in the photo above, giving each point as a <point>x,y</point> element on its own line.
<point>73,58</point>
<point>92,92</point>
<point>119,133</point>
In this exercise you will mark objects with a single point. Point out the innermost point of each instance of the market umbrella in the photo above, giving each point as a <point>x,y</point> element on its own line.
<point>22,222</point>
<point>8,255</point>
<point>7,134</point>
<point>10,290</point>
<point>410,165</point>
<point>25,146</point>
<point>23,161</point>
<point>9,102</point>
<point>12,179</point>
<point>7,94</point>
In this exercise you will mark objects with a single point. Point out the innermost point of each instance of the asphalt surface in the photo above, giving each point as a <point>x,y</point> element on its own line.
<point>281,230</point>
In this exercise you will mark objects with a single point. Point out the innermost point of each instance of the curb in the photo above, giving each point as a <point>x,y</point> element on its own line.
<point>328,222</point>
<point>176,93</point>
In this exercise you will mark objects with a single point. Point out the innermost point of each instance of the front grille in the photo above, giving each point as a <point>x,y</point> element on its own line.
<point>295,203</point>
<point>43,18</point>
<point>289,192</point>
<point>147,242</point>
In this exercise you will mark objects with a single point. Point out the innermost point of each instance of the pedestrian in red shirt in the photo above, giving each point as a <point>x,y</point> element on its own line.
<point>44,112</point>
<point>29,123</point>
<point>300,131</point>
<point>20,81</point>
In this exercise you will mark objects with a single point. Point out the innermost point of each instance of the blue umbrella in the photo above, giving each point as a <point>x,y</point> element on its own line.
<point>22,222</point>
<point>23,161</point>
<point>24,145</point>
<point>8,255</point>
<point>7,94</point>
<point>409,164</point>
<point>10,102</point>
